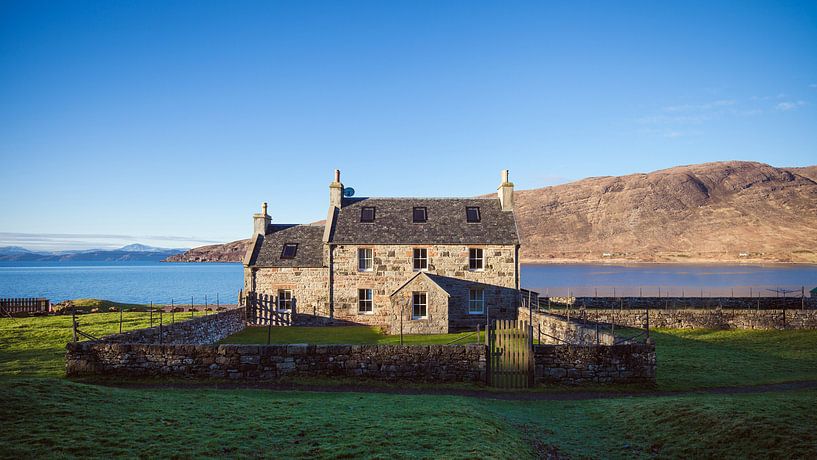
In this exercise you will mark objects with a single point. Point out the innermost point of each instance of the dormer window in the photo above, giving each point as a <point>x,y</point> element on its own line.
<point>367,214</point>
<point>289,251</point>
<point>419,214</point>
<point>472,214</point>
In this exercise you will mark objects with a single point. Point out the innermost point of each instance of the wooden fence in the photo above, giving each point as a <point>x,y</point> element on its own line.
<point>23,306</point>
<point>263,310</point>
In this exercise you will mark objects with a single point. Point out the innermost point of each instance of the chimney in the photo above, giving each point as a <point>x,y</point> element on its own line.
<point>505,192</point>
<point>261,221</point>
<point>336,191</point>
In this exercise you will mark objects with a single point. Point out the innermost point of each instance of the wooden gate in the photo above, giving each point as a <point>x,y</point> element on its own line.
<point>510,351</point>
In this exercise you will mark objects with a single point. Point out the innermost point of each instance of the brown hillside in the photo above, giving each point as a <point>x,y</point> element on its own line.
<point>713,212</point>
<point>707,212</point>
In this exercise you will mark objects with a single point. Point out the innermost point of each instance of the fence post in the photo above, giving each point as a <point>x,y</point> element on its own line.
<point>191,307</point>
<point>269,321</point>
<point>151,313</point>
<point>161,327</point>
<point>74,323</point>
<point>120,318</point>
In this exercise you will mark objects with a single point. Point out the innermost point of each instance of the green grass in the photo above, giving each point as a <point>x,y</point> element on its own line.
<point>55,417</point>
<point>47,416</point>
<point>349,335</point>
<point>36,345</point>
<point>690,359</point>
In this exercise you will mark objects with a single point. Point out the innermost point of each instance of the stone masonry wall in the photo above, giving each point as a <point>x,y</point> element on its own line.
<point>200,330</point>
<point>699,318</point>
<point>393,266</point>
<point>556,329</point>
<point>426,363</point>
<point>310,286</point>
<point>629,364</point>
<point>774,303</point>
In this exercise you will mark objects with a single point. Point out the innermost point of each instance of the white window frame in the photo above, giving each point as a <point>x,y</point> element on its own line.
<point>365,259</point>
<point>414,304</point>
<point>476,298</point>
<point>284,298</point>
<point>415,259</point>
<point>481,259</point>
<point>364,296</point>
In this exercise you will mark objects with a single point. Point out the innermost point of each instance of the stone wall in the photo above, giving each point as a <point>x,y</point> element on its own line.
<point>200,330</point>
<point>555,329</point>
<point>698,318</point>
<point>393,266</point>
<point>421,363</point>
<point>310,286</point>
<point>575,365</point>
<point>775,303</point>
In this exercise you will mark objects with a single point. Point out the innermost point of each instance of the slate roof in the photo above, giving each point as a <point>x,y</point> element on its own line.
<point>310,246</point>
<point>446,222</point>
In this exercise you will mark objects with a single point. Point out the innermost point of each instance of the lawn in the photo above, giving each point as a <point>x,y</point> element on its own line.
<point>45,415</point>
<point>36,345</point>
<point>350,335</point>
<point>59,418</point>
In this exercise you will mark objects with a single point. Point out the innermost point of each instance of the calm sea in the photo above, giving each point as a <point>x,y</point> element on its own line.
<point>135,282</point>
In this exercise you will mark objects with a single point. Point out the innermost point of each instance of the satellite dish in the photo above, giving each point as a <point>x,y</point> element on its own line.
<point>348,192</point>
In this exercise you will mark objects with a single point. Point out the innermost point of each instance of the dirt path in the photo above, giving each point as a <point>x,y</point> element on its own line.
<point>477,393</point>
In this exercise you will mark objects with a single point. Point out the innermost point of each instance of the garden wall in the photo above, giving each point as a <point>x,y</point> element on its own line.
<point>556,329</point>
<point>698,318</point>
<point>681,302</point>
<point>421,363</point>
<point>201,330</point>
<point>626,363</point>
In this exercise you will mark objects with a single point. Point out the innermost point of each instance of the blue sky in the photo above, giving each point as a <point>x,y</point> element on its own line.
<point>168,123</point>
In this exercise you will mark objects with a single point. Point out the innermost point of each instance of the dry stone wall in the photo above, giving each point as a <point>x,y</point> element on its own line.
<point>606,364</point>
<point>680,303</point>
<point>201,330</point>
<point>421,363</point>
<point>556,329</point>
<point>698,318</point>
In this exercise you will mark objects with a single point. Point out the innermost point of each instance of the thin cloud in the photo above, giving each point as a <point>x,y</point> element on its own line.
<point>61,241</point>
<point>789,105</point>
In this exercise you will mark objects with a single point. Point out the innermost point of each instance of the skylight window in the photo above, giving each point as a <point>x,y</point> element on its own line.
<point>472,214</point>
<point>420,214</point>
<point>367,214</point>
<point>289,251</point>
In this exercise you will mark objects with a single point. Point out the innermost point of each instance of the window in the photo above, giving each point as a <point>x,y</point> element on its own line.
<point>365,259</point>
<point>419,305</point>
<point>472,214</point>
<point>420,259</point>
<point>420,214</point>
<point>367,214</point>
<point>289,251</point>
<point>285,299</point>
<point>476,301</point>
<point>364,300</point>
<point>475,260</point>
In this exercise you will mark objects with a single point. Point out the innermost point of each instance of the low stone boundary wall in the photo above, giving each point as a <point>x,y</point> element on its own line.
<point>698,318</point>
<point>556,330</point>
<point>421,363</point>
<point>677,303</point>
<point>622,364</point>
<point>200,330</point>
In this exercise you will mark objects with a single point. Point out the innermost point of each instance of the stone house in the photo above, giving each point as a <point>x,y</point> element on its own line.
<point>423,265</point>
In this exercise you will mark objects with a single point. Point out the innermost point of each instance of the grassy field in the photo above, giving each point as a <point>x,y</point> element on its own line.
<point>45,415</point>
<point>36,345</point>
<point>353,335</point>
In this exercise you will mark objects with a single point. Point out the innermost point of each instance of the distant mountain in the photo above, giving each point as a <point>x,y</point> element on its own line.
<point>132,252</point>
<point>732,211</point>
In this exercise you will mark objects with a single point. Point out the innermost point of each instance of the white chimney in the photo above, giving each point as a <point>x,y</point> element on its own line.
<point>261,221</point>
<point>336,191</point>
<point>505,192</point>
